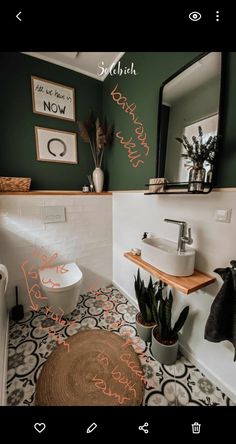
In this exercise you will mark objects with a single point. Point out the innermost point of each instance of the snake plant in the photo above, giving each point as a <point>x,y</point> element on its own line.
<point>165,331</point>
<point>147,298</point>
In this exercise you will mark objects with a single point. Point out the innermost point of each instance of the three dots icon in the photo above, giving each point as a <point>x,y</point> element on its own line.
<point>217,16</point>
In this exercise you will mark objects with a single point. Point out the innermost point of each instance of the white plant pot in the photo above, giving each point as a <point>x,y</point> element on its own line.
<point>144,331</point>
<point>165,354</point>
<point>98,179</point>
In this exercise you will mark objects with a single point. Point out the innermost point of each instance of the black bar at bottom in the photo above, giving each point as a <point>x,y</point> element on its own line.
<point>145,424</point>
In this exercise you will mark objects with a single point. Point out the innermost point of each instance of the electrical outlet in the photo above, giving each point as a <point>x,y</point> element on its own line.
<point>223,216</point>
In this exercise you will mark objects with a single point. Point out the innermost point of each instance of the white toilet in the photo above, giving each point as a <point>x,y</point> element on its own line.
<point>61,285</point>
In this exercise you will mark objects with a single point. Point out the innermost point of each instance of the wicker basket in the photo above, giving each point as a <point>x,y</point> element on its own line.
<point>15,183</point>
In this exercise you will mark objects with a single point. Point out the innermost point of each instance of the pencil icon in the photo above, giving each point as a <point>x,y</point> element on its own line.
<point>91,428</point>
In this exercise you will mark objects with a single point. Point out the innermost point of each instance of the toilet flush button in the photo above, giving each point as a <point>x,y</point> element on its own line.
<point>53,214</point>
<point>223,215</point>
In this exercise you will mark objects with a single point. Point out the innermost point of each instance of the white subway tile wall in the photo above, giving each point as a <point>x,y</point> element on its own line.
<point>134,213</point>
<point>85,237</point>
<point>96,225</point>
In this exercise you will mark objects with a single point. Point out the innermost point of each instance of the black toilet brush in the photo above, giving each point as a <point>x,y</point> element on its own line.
<point>17,312</point>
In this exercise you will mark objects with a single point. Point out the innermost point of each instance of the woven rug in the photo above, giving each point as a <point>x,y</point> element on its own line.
<point>95,368</point>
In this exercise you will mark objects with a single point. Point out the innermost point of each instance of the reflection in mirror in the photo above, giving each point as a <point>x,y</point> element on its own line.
<point>189,99</point>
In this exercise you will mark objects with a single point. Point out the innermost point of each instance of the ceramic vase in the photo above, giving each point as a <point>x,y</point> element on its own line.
<point>98,179</point>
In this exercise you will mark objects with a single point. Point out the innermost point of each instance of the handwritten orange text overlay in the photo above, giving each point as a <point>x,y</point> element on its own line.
<point>129,340</point>
<point>135,153</point>
<point>127,386</point>
<point>116,374</point>
<point>34,291</point>
<point>125,383</point>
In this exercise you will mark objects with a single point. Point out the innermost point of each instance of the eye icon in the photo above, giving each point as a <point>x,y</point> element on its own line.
<point>195,16</point>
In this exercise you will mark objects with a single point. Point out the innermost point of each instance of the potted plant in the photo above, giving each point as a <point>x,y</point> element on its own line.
<point>146,318</point>
<point>165,337</point>
<point>98,135</point>
<point>197,153</point>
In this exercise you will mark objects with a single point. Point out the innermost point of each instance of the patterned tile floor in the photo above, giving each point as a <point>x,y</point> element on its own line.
<point>30,345</point>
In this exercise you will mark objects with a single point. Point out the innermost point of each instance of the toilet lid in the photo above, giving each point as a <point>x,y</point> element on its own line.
<point>60,276</point>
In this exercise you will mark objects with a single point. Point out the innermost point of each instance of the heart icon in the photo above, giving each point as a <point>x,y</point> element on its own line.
<point>40,426</point>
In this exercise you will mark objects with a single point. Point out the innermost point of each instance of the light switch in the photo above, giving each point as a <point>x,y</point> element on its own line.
<point>53,214</point>
<point>223,216</point>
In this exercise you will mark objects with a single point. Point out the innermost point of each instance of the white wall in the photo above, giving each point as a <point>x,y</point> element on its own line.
<point>134,213</point>
<point>85,237</point>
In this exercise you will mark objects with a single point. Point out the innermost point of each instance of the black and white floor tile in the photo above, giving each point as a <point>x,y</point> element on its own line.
<point>181,384</point>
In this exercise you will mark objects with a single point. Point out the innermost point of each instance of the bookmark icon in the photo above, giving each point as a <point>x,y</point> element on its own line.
<point>91,428</point>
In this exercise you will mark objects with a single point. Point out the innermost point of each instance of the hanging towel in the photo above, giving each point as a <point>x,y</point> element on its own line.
<point>221,323</point>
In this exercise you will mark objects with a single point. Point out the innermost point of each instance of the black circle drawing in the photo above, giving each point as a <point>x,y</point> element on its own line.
<point>57,140</point>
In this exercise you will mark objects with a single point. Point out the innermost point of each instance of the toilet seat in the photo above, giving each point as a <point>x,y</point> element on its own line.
<point>61,277</point>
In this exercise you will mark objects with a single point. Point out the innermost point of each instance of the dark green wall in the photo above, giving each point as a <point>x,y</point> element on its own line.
<point>17,141</point>
<point>143,90</point>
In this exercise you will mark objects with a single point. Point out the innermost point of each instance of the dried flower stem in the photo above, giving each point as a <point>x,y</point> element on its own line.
<point>98,135</point>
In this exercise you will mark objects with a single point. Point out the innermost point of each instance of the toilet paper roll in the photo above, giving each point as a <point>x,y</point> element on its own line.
<point>4,275</point>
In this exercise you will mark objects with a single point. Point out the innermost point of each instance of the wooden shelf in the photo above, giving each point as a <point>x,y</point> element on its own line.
<point>52,192</point>
<point>186,285</point>
<point>180,188</point>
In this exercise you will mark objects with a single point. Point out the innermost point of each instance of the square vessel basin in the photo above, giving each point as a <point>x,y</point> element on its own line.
<point>163,254</point>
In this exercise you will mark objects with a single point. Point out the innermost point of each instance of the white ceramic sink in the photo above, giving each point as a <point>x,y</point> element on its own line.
<point>163,254</point>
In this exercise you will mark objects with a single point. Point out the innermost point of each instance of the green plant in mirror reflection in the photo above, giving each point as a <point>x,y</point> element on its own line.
<point>199,150</point>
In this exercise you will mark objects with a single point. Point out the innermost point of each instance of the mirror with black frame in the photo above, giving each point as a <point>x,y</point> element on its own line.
<point>189,99</point>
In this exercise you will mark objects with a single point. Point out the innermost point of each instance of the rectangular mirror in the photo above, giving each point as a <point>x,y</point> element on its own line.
<point>188,99</point>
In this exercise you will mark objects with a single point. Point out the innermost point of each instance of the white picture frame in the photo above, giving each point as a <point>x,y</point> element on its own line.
<point>55,145</point>
<point>53,99</point>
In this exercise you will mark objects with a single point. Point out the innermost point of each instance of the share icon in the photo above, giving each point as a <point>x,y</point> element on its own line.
<point>143,427</point>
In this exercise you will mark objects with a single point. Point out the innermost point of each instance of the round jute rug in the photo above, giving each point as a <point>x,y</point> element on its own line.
<point>98,368</point>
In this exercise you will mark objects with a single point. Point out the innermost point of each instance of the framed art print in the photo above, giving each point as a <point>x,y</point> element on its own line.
<point>55,145</point>
<point>53,99</point>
